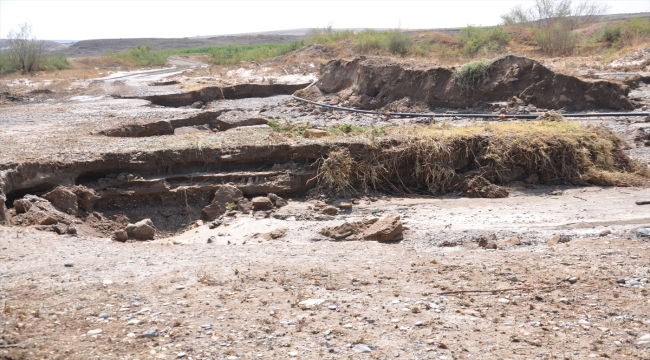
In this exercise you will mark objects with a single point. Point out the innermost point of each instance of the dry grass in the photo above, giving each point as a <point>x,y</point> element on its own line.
<point>426,158</point>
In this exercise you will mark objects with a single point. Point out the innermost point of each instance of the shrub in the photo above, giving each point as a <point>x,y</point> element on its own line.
<point>24,52</point>
<point>57,62</point>
<point>233,54</point>
<point>636,31</point>
<point>471,74</point>
<point>476,39</point>
<point>369,40</point>
<point>398,42</point>
<point>556,40</point>
<point>327,35</point>
<point>610,34</point>
<point>6,65</point>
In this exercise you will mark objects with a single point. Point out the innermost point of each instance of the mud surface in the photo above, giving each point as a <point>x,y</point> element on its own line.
<point>372,83</point>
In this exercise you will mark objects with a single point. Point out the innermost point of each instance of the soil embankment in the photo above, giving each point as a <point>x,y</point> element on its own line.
<point>375,82</point>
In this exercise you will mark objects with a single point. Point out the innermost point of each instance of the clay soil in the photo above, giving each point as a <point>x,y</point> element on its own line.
<point>573,285</point>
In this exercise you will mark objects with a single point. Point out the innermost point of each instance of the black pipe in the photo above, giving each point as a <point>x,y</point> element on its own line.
<point>433,115</point>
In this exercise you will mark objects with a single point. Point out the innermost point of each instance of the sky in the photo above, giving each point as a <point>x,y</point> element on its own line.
<point>95,19</point>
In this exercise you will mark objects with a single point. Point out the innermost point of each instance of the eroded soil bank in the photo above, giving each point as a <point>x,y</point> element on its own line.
<point>375,82</point>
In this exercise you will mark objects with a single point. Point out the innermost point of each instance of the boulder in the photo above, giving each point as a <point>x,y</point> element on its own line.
<point>262,202</point>
<point>276,200</point>
<point>330,210</point>
<point>275,234</point>
<point>47,220</point>
<point>121,235</point>
<point>22,206</point>
<point>142,230</point>
<point>226,194</point>
<point>386,229</point>
<point>86,198</point>
<point>245,206</point>
<point>63,199</point>
<point>346,230</point>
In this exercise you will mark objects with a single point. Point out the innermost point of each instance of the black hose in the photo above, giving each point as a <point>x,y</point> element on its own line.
<point>434,115</point>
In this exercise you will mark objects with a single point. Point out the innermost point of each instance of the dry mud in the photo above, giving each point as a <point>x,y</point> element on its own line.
<point>77,167</point>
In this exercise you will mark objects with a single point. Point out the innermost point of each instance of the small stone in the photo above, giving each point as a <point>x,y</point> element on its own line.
<point>558,238</point>
<point>621,281</point>
<point>491,246</point>
<point>211,239</point>
<point>632,283</point>
<point>584,322</point>
<point>131,335</point>
<point>332,307</point>
<point>564,300</point>
<point>293,353</point>
<point>107,282</point>
<point>133,322</point>
<point>572,280</point>
<point>419,323</point>
<point>103,315</point>
<point>511,278</point>
<point>643,232</point>
<point>121,235</point>
<point>504,301</point>
<point>605,233</point>
<point>94,332</point>
<point>345,206</point>
<point>645,337</point>
<point>361,348</point>
<point>48,220</point>
<point>151,333</point>
<point>330,210</point>
<point>511,241</point>
<point>181,355</point>
<point>68,263</point>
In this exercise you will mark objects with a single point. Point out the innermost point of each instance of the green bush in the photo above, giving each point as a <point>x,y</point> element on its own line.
<point>471,74</point>
<point>6,65</point>
<point>139,56</point>
<point>233,54</point>
<point>369,40</point>
<point>475,39</point>
<point>57,62</point>
<point>327,35</point>
<point>398,42</point>
<point>557,39</point>
<point>610,34</point>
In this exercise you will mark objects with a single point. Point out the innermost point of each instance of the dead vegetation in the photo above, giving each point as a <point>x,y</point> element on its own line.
<point>438,158</point>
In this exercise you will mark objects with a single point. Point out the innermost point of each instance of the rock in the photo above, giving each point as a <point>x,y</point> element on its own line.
<point>211,239</point>
<point>103,315</point>
<point>346,229</point>
<point>150,334</point>
<point>47,220</point>
<point>643,232</point>
<point>68,263</point>
<point>479,186</point>
<point>262,202</point>
<point>330,210</point>
<point>511,241</point>
<point>225,195</point>
<point>643,344</point>
<point>86,198</point>
<point>275,234</point>
<point>511,278</point>
<point>386,229</point>
<point>310,303</point>
<point>491,246</point>
<point>71,230</point>
<point>63,199</point>
<point>94,332</point>
<point>121,235</point>
<point>197,105</point>
<point>572,280</point>
<point>361,348</point>
<point>484,240</point>
<point>245,206</point>
<point>645,337</point>
<point>314,133</point>
<point>558,238</point>
<point>142,230</point>
<point>22,206</point>
<point>345,206</point>
<point>504,301</point>
<point>605,233</point>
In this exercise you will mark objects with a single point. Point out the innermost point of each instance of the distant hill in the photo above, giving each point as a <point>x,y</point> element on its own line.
<point>49,45</point>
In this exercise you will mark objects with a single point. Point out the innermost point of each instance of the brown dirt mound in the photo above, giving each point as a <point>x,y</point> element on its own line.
<point>375,82</point>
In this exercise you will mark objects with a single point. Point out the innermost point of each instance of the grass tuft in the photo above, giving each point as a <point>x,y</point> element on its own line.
<point>471,74</point>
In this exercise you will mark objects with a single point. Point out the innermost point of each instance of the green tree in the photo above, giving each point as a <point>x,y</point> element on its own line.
<point>25,52</point>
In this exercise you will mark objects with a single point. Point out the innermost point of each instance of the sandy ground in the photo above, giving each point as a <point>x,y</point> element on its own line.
<point>231,293</point>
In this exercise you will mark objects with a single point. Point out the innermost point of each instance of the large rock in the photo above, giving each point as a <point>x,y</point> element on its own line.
<point>22,206</point>
<point>86,198</point>
<point>142,230</point>
<point>347,230</point>
<point>262,202</point>
<point>386,229</point>
<point>3,209</point>
<point>63,199</point>
<point>225,195</point>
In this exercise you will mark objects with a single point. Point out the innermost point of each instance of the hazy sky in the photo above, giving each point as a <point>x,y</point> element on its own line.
<point>92,19</point>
